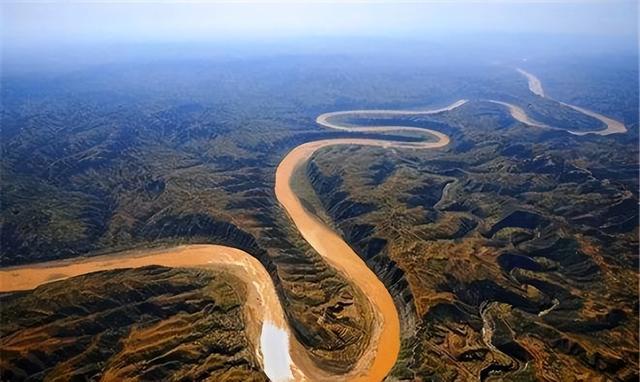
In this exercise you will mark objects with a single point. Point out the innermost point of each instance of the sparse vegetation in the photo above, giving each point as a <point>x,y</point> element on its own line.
<point>149,323</point>
<point>512,247</point>
<point>489,231</point>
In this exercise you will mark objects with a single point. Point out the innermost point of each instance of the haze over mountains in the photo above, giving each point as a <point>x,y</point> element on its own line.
<point>503,249</point>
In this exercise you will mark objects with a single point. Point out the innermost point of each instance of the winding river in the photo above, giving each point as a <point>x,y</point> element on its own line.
<point>281,355</point>
<point>535,86</point>
<point>284,358</point>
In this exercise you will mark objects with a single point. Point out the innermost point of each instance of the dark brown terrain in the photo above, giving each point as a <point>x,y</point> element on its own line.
<point>527,235</point>
<point>506,255</point>
<point>149,323</point>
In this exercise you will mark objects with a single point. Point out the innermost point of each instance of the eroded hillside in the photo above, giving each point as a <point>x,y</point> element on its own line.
<point>512,252</point>
<point>151,323</point>
<point>488,233</point>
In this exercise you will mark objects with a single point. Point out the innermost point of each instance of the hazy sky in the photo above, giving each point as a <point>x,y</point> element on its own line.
<point>44,23</point>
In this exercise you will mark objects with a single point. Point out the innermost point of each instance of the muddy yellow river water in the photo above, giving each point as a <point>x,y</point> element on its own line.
<point>282,357</point>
